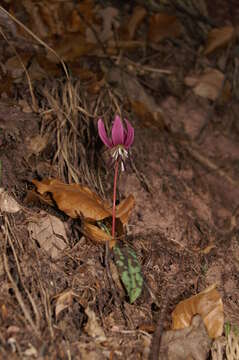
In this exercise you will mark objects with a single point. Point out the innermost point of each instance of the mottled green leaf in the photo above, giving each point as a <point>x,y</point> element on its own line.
<point>130,271</point>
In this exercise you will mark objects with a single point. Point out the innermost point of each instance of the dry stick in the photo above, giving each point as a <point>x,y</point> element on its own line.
<point>47,307</point>
<point>156,340</point>
<point>20,275</point>
<point>19,296</point>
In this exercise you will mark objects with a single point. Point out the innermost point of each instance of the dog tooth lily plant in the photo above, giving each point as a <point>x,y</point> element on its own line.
<point>119,144</point>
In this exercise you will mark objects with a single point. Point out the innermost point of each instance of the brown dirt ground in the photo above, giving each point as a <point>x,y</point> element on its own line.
<point>184,229</point>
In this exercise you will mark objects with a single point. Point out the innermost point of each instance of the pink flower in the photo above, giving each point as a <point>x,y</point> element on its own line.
<point>121,139</point>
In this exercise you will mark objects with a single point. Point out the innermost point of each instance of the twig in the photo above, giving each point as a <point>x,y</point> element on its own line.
<point>156,340</point>
<point>19,296</point>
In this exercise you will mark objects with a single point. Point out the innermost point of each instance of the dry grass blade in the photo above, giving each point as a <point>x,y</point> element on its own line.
<point>63,102</point>
<point>34,102</point>
<point>35,37</point>
<point>26,313</point>
<point>73,129</point>
<point>47,307</point>
<point>19,296</point>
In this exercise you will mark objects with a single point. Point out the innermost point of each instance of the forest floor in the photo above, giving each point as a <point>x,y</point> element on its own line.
<point>56,301</point>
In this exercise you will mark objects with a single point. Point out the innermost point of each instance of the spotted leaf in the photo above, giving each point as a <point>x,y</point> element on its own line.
<point>130,271</point>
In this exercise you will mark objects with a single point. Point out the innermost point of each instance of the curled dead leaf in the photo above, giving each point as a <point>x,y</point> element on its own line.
<point>218,38</point>
<point>129,29</point>
<point>208,304</point>
<point>64,300</point>
<point>148,117</point>
<point>208,248</point>
<point>8,203</point>
<point>77,201</point>
<point>37,144</point>
<point>124,209</point>
<point>74,199</point>
<point>163,26</point>
<point>190,343</point>
<point>96,234</point>
<point>35,198</point>
<point>208,85</point>
<point>93,328</point>
<point>50,233</point>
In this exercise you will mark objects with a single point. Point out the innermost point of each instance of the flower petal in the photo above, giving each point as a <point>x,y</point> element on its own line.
<point>130,135</point>
<point>103,135</point>
<point>117,132</point>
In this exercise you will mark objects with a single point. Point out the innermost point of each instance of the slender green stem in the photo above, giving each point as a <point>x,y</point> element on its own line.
<point>114,197</point>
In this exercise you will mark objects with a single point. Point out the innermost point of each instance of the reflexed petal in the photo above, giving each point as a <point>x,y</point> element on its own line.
<point>130,135</point>
<point>103,135</point>
<point>117,132</point>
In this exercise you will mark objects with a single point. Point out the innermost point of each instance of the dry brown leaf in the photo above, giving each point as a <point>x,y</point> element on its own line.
<point>124,209</point>
<point>113,47</point>
<point>207,85</point>
<point>87,10</point>
<point>93,328</point>
<point>7,203</point>
<point>218,38</point>
<point>85,74</point>
<point>71,47</point>
<point>110,22</point>
<point>128,30</point>
<point>190,343</point>
<point>25,107</point>
<point>37,144</point>
<point>6,85</point>
<point>50,68</point>
<point>31,352</point>
<point>14,67</point>
<point>205,250</point>
<point>74,199</point>
<point>208,248</point>
<point>97,235</point>
<point>148,117</point>
<point>96,86</point>
<point>163,25</point>
<point>50,14</point>
<point>4,312</point>
<point>104,26</point>
<point>142,103</point>
<point>79,201</point>
<point>36,23</point>
<point>64,300</point>
<point>35,198</point>
<point>76,24</point>
<point>50,233</point>
<point>208,304</point>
